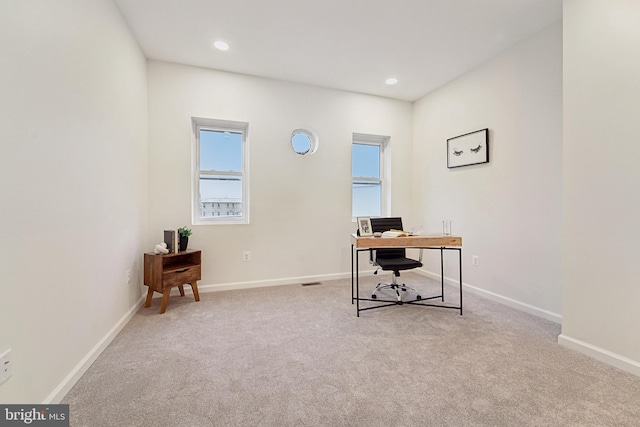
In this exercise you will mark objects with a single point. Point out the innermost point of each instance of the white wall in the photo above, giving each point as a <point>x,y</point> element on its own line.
<point>507,211</point>
<point>300,205</point>
<point>73,188</point>
<point>601,180</point>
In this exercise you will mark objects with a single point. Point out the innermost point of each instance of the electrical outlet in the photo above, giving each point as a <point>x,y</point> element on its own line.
<point>5,366</point>
<point>246,256</point>
<point>475,261</point>
<point>128,277</point>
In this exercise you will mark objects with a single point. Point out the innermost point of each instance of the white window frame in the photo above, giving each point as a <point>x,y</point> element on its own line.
<point>385,184</point>
<point>198,124</point>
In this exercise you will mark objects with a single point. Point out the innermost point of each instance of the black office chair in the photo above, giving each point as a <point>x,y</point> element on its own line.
<point>392,259</point>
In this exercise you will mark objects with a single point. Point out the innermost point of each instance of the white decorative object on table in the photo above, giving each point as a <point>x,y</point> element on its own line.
<point>161,248</point>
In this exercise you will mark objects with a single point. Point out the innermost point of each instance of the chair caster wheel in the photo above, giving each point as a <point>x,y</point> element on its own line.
<point>419,297</point>
<point>374,296</point>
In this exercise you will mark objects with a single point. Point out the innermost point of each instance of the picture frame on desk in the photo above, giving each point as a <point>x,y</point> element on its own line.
<point>364,226</point>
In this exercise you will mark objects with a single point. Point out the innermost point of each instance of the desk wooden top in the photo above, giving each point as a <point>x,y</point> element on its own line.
<point>424,241</point>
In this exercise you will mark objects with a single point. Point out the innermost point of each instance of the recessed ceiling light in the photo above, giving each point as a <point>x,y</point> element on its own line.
<point>391,81</point>
<point>220,45</point>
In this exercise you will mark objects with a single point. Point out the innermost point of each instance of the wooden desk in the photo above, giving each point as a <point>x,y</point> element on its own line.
<point>434,241</point>
<point>420,242</point>
<point>162,272</point>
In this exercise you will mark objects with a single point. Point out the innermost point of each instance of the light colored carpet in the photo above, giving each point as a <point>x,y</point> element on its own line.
<point>298,356</point>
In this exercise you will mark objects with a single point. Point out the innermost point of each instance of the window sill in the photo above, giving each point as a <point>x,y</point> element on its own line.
<point>221,222</point>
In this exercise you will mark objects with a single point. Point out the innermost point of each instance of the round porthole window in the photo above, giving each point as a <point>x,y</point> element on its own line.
<point>304,141</point>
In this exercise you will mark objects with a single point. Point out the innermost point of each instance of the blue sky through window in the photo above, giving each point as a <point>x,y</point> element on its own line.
<point>301,143</point>
<point>220,151</point>
<point>365,161</point>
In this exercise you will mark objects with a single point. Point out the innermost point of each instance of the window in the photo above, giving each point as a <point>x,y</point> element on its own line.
<point>304,141</point>
<point>369,193</point>
<point>220,172</point>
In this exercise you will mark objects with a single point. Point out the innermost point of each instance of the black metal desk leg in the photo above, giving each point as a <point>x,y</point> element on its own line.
<point>357,286</point>
<point>460,267</point>
<point>352,274</point>
<point>442,273</point>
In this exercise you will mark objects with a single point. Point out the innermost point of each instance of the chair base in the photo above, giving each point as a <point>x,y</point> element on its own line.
<point>399,289</point>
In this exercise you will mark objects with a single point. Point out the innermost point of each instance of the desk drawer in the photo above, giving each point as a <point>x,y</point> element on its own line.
<point>182,276</point>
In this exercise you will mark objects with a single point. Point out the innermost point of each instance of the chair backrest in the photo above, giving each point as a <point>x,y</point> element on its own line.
<point>380,225</point>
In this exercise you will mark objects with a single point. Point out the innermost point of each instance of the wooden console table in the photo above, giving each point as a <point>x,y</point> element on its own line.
<point>162,272</point>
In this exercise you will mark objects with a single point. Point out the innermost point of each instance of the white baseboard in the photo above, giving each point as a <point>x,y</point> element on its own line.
<point>527,308</point>
<point>72,378</point>
<point>272,282</point>
<point>600,354</point>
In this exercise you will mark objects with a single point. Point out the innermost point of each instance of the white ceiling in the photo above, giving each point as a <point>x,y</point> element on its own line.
<point>351,45</point>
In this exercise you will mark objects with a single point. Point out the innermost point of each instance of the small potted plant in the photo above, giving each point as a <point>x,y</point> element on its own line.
<point>184,233</point>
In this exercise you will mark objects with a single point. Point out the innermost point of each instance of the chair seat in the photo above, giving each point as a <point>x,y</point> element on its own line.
<point>397,264</point>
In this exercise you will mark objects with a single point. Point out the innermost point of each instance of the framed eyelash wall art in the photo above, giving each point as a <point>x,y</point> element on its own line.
<point>469,149</point>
